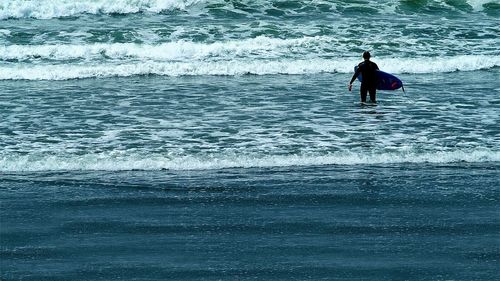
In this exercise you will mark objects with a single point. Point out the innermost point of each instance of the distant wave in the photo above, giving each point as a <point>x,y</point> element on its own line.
<point>237,67</point>
<point>259,56</point>
<point>46,9</point>
<point>106,162</point>
<point>260,46</point>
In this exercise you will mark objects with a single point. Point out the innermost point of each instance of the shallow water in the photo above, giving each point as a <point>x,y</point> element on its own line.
<point>153,123</point>
<point>376,222</point>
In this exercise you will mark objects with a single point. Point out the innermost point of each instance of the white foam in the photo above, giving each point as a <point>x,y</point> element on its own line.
<point>263,47</point>
<point>439,64</point>
<point>477,5</point>
<point>261,55</point>
<point>123,162</point>
<point>45,9</point>
<point>65,72</point>
<point>242,67</point>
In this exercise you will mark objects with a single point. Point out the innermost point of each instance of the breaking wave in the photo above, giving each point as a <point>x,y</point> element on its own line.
<point>259,56</point>
<point>108,162</point>
<point>46,9</point>
<point>243,67</point>
<point>260,46</point>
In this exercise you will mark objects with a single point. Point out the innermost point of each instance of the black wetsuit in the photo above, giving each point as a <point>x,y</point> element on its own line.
<point>369,71</point>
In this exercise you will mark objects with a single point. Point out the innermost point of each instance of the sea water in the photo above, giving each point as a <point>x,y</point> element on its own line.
<point>216,140</point>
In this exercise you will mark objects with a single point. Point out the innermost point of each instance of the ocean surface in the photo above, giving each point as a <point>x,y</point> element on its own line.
<point>216,140</point>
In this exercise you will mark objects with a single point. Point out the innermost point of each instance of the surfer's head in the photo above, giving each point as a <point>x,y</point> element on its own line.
<point>366,55</point>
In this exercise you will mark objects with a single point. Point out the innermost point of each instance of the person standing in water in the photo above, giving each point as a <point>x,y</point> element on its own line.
<point>368,69</point>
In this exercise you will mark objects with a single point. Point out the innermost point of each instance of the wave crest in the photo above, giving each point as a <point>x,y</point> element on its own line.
<point>46,9</point>
<point>260,46</point>
<point>243,67</point>
<point>110,162</point>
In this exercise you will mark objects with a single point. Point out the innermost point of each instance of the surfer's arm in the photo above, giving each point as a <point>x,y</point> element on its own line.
<point>356,74</point>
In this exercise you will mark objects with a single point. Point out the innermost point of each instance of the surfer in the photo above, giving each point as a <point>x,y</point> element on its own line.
<point>368,69</point>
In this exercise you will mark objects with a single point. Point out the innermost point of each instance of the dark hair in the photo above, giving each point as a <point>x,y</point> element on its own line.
<point>366,55</point>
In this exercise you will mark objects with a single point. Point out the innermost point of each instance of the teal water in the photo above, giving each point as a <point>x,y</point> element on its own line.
<point>216,140</point>
<point>368,222</point>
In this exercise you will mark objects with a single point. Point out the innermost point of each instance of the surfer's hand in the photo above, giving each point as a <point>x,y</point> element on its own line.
<point>349,87</point>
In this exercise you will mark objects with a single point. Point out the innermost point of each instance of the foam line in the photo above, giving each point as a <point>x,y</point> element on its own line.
<point>241,67</point>
<point>260,46</point>
<point>46,9</point>
<point>108,162</point>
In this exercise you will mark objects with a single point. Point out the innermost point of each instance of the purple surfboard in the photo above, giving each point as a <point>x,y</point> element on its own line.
<point>386,81</point>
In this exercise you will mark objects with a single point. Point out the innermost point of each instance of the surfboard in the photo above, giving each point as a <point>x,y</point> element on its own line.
<point>386,81</point>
